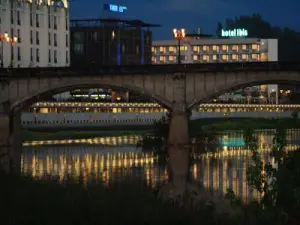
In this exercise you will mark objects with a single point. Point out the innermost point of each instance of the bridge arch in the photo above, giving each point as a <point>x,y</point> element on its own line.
<point>38,94</point>
<point>222,86</point>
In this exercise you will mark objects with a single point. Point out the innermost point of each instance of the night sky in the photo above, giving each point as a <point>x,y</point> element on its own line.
<point>192,14</point>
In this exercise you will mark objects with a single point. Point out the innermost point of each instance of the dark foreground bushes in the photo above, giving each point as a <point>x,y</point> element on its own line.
<point>26,201</point>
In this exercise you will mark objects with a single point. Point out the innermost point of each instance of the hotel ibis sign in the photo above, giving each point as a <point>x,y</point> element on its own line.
<point>234,33</point>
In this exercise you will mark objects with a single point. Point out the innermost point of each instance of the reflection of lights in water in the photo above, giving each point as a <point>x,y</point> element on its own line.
<point>227,171</point>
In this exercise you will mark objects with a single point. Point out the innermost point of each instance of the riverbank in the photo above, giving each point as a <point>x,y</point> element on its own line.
<point>242,124</point>
<point>36,135</point>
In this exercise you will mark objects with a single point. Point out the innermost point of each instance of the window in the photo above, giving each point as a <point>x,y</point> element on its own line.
<point>55,40</point>
<point>67,57</point>
<point>12,53</point>
<point>162,59</point>
<point>196,49</point>
<point>205,58</point>
<point>55,56</point>
<point>49,56</point>
<point>31,55</point>
<point>37,22</point>
<point>31,19</point>
<point>255,57</point>
<point>153,50</point>
<point>235,48</point>
<point>225,57</point>
<point>18,18</point>
<point>172,49</point>
<point>205,48</point>
<point>37,38</point>
<point>55,22</point>
<point>255,47</point>
<point>153,59</point>
<point>67,23</point>
<point>244,47</point>
<point>214,57</point>
<point>195,57</point>
<point>12,17</point>
<point>31,37</point>
<point>244,57</point>
<point>225,48</point>
<point>78,49</point>
<point>264,57</point>
<point>49,21</point>
<point>172,58</point>
<point>215,48</point>
<point>19,35</point>
<point>37,55</point>
<point>162,49</point>
<point>235,57</point>
<point>49,39</point>
<point>67,40</point>
<point>19,53</point>
<point>183,48</point>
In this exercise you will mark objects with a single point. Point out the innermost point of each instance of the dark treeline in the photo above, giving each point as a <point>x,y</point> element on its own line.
<point>288,39</point>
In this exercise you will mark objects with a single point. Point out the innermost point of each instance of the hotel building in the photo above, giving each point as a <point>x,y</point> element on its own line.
<point>41,28</point>
<point>227,50</point>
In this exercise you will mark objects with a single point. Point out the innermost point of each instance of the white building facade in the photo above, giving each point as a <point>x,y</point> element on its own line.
<point>42,31</point>
<point>227,50</point>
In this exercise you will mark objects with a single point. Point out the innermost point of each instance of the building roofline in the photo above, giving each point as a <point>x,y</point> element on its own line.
<point>103,21</point>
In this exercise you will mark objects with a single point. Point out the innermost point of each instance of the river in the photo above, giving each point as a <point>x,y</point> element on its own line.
<point>111,159</point>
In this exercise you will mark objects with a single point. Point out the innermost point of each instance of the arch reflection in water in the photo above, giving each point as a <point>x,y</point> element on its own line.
<point>115,160</point>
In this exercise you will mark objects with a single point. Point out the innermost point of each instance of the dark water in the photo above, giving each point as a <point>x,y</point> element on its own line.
<point>112,159</point>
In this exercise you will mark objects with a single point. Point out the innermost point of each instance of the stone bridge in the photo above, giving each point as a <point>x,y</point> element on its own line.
<point>176,87</point>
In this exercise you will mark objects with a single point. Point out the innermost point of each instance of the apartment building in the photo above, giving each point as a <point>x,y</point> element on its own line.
<point>227,50</point>
<point>41,31</point>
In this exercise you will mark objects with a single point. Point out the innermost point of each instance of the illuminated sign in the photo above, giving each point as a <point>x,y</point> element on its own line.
<point>114,8</point>
<point>234,33</point>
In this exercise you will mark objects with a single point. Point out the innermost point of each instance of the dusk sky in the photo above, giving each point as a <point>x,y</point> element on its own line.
<point>192,14</point>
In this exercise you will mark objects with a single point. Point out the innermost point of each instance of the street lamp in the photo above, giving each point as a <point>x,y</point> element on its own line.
<point>12,40</point>
<point>179,34</point>
<point>3,37</point>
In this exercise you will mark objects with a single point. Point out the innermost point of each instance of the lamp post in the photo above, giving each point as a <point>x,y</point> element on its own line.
<point>12,40</point>
<point>3,37</point>
<point>179,34</point>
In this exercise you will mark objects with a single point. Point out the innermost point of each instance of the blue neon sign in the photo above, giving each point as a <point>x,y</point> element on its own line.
<point>115,8</point>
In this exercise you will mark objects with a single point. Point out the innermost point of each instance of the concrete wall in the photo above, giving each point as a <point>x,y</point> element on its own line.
<point>56,120</point>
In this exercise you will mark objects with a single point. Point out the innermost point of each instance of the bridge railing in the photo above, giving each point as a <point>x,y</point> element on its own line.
<point>149,69</point>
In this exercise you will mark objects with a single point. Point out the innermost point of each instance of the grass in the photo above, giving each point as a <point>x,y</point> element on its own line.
<point>34,135</point>
<point>243,123</point>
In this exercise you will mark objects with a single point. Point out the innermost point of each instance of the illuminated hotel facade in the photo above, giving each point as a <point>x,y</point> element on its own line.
<point>41,28</point>
<point>210,50</point>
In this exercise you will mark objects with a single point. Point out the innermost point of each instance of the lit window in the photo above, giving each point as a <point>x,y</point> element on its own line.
<point>215,48</point>
<point>162,59</point>
<point>244,57</point>
<point>205,48</point>
<point>206,58</point>
<point>162,49</point>
<point>244,47</point>
<point>195,57</point>
<point>224,47</point>
<point>235,57</point>
<point>225,57</point>
<point>153,50</point>
<point>196,48</point>
<point>255,47</point>
<point>172,49</point>
<point>183,48</point>
<point>172,58</point>
<point>215,57</point>
<point>153,59</point>
<point>235,48</point>
<point>255,57</point>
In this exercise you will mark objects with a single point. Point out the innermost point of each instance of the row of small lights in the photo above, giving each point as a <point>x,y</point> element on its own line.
<point>90,104</point>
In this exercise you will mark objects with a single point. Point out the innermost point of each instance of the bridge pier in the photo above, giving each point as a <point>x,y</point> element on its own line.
<point>10,141</point>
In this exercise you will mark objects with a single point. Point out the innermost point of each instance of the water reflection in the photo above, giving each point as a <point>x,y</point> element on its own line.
<point>112,161</point>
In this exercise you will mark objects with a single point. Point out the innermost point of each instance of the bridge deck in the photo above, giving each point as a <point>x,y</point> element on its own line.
<point>149,69</point>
